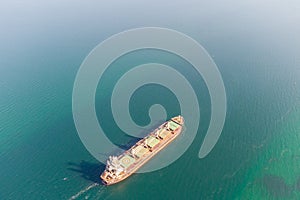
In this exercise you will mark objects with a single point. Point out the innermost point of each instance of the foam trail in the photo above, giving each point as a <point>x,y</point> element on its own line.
<point>83,191</point>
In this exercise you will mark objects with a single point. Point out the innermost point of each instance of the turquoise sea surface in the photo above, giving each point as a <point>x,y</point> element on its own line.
<point>256,47</point>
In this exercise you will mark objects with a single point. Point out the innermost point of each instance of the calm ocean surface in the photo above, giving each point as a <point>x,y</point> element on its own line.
<point>255,46</point>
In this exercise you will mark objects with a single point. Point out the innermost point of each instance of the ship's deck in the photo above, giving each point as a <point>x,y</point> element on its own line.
<point>151,144</point>
<point>132,159</point>
<point>126,161</point>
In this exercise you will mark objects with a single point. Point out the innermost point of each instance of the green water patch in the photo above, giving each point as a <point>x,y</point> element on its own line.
<point>276,174</point>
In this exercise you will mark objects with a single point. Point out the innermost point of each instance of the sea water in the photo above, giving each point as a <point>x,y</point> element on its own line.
<point>255,47</point>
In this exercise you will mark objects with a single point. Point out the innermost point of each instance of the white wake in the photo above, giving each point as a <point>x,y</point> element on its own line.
<point>84,190</point>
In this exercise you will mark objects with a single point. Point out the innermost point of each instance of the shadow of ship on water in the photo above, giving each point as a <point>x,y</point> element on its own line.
<point>89,171</point>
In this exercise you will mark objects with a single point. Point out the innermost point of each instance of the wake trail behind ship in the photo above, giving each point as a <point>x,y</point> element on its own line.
<point>86,189</point>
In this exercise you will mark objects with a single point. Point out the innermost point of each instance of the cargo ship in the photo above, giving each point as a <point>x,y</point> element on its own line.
<point>121,167</point>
